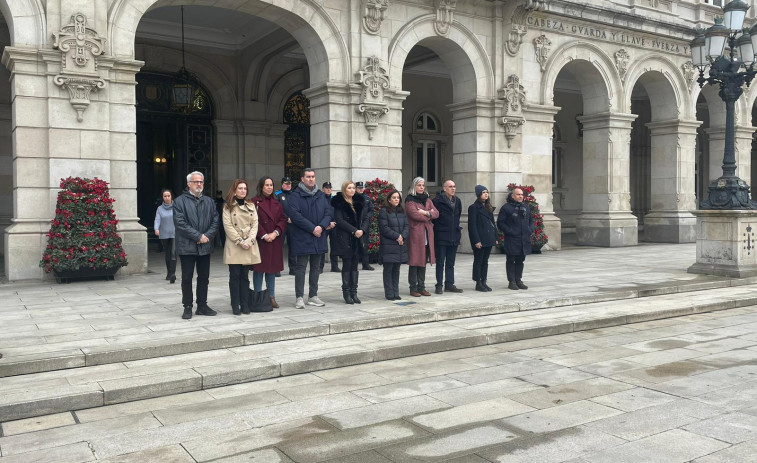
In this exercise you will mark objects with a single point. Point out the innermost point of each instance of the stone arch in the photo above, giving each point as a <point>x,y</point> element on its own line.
<point>462,52</point>
<point>217,84</point>
<point>258,69</point>
<point>281,91</point>
<point>308,23</point>
<point>26,22</point>
<point>664,84</point>
<point>598,76</point>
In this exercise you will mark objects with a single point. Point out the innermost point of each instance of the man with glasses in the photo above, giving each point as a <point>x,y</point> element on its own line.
<point>447,231</point>
<point>196,222</point>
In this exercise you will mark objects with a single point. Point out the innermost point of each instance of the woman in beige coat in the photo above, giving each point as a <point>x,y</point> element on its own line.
<point>240,221</point>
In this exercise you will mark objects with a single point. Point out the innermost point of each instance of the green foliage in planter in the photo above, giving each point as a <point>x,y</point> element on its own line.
<point>538,238</point>
<point>377,190</point>
<point>83,232</point>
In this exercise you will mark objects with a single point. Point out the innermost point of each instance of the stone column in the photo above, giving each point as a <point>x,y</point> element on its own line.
<point>330,119</point>
<point>537,165</point>
<point>673,195</point>
<point>606,218</point>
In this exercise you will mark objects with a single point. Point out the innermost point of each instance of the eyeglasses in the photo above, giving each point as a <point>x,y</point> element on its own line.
<point>196,181</point>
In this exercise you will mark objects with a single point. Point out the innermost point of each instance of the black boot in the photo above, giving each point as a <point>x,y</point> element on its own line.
<point>171,271</point>
<point>234,296</point>
<point>480,286</point>
<point>486,287</point>
<point>353,287</point>
<point>187,312</point>
<point>346,288</point>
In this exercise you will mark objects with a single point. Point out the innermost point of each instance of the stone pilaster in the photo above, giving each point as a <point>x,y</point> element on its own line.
<point>537,137</point>
<point>673,197</point>
<point>606,218</point>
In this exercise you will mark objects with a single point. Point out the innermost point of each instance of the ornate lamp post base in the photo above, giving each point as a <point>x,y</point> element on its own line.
<point>728,193</point>
<point>726,243</point>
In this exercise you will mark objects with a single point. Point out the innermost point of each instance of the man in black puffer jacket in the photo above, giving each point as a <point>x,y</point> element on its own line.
<point>447,231</point>
<point>196,222</point>
<point>515,221</point>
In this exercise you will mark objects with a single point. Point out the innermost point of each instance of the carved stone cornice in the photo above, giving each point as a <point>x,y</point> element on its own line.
<point>374,80</point>
<point>373,16</point>
<point>445,14</point>
<point>79,47</point>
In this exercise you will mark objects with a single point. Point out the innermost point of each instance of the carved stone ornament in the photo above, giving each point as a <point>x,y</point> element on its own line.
<point>622,58</point>
<point>514,95</point>
<point>80,47</point>
<point>515,38</point>
<point>689,72</point>
<point>542,44</point>
<point>374,15</point>
<point>445,14</point>
<point>536,5</point>
<point>375,80</point>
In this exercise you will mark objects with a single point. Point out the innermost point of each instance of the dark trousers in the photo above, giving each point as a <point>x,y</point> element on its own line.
<point>188,264</point>
<point>299,274</point>
<point>391,280</point>
<point>514,267</point>
<point>291,258</point>
<point>445,263</point>
<point>481,263</point>
<point>362,251</point>
<point>170,252</point>
<point>239,284</point>
<point>416,278</point>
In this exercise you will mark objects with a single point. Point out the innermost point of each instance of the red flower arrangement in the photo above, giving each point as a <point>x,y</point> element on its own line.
<point>538,238</point>
<point>377,190</point>
<point>83,232</point>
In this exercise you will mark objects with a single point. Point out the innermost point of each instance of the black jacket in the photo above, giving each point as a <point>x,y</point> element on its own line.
<point>194,217</point>
<point>515,221</point>
<point>348,221</point>
<point>481,227</point>
<point>283,196</point>
<point>447,229</point>
<point>391,226</point>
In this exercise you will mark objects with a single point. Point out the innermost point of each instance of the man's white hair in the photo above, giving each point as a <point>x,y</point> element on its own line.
<point>189,177</point>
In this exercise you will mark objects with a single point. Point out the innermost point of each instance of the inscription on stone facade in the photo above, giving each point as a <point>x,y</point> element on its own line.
<point>609,35</point>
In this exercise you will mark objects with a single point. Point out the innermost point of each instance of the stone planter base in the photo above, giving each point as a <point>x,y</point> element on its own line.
<point>86,274</point>
<point>726,243</point>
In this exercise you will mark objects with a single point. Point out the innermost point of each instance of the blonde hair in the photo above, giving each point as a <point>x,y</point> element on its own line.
<point>345,184</point>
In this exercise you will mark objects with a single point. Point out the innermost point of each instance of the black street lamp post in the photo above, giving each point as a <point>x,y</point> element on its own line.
<point>728,191</point>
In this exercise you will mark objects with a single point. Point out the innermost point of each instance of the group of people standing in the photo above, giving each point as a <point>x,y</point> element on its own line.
<point>424,231</point>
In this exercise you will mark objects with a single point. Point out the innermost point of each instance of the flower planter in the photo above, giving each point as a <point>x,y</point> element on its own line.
<point>67,276</point>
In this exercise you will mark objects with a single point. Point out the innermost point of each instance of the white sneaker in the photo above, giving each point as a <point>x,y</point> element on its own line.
<point>316,302</point>
<point>300,304</point>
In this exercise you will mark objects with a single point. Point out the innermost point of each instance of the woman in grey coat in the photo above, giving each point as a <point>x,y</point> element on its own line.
<point>394,230</point>
<point>164,229</point>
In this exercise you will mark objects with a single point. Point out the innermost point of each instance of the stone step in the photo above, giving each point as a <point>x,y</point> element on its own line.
<point>35,394</point>
<point>71,354</point>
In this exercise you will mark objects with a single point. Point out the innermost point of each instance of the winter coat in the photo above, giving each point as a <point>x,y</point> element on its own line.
<point>271,219</point>
<point>481,227</point>
<point>192,218</point>
<point>348,221</point>
<point>515,221</point>
<point>283,196</point>
<point>306,212</point>
<point>164,222</point>
<point>392,225</point>
<point>447,229</point>
<point>241,226</point>
<point>420,230</point>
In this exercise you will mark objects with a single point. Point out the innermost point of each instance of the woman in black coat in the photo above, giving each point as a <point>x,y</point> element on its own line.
<point>351,217</point>
<point>394,230</point>
<point>483,235</point>
<point>515,222</point>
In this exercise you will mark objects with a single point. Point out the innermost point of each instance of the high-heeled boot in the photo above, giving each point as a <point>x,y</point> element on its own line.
<point>353,286</point>
<point>346,288</point>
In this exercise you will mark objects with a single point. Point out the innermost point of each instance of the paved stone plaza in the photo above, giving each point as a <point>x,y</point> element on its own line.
<point>103,371</point>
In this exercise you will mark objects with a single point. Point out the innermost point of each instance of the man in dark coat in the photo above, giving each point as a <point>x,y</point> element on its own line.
<point>363,251</point>
<point>327,188</point>
<point>311,215</point>
<point>515,221</point>
<point>447,231</point>
<point>282,195</point>
<point>196,222</point>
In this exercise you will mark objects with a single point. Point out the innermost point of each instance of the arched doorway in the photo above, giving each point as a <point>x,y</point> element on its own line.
<point>174,137</point>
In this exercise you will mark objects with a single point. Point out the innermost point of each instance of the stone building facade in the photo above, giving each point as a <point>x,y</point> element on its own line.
<point>593,102</point>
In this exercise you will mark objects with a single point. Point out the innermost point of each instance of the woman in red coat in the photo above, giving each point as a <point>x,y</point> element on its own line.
<point>420,212</point>
<point>272,224</point>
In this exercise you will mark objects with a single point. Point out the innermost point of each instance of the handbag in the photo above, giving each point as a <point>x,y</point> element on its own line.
<point>259,301</point>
